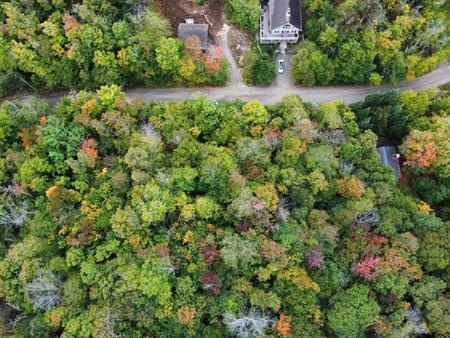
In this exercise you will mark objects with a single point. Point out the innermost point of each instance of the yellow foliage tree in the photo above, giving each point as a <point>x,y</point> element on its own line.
<point>268,194</point>
<point>300,278</point>
<point>350,187</point>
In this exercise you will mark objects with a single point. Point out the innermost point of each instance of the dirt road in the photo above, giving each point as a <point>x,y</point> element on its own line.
<point>349,94</point>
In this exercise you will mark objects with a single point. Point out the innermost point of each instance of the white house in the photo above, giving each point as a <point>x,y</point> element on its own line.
<point>280,21</point>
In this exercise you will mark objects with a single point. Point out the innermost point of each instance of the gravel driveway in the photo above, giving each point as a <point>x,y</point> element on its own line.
<point>283,80</point>
<point>235,76</point>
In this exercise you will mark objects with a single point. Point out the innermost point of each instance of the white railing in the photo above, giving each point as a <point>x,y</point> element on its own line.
<point>278,39</point>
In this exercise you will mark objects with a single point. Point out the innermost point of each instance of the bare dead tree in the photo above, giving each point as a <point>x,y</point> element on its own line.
<point>365,184</point>
<point>13,214</point>
<point>308,130</point>
<point>151,132</point>
<point>371,217</point>
<point>346,168</point>
<point>17,320</point>
<point>251,325</point>
<point>44,290</point>
<point>433,37</point>
<point>15,189</point>
<point>283,212</point>
<point>334,137</point>
<point>108,321</point>
<point>16,308</point>
<point>8,310</point>
<point>177,138</point>
<point>271,142</point>
<point>416,318</point>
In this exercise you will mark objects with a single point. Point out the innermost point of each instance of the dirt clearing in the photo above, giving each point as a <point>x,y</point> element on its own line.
<point>177,11</point>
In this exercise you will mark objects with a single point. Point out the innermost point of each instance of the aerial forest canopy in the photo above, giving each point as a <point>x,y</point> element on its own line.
<point>88,43</point>
<point>120,218</point>
<point>371,41</point>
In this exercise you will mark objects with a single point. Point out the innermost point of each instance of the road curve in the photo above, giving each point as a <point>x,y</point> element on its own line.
<point>349,94</point>
<point>267,95</point>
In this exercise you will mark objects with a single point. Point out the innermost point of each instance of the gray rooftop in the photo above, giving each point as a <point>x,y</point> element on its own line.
<point>387,158</point>
<point>200,29</point>
<point>278,13</point>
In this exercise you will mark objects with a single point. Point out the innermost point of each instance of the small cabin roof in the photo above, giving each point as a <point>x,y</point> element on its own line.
<point>387,156</point>
<point>200,29</point>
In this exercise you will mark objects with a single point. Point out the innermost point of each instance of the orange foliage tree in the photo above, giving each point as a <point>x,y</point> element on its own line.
<point>284,326</point>
<point>419,149</point>
<point>89,147</point>
<point>186,314</point>
<point>70,22</point>
<point>27,136</point>
<point>193,47</point>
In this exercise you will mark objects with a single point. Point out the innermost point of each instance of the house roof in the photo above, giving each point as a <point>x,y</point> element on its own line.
<point>388,159</point>
<point>278,13</point>
<point>200,29</point>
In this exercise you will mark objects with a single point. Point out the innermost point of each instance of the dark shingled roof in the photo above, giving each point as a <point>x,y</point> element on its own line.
<point>200,29</point>
<point>278,10</point>
<point>296,14</point>
<point>387,158</point>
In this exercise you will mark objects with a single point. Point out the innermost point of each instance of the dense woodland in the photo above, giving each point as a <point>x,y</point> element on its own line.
<point>202,219</point>
<point>360,41</point>
<point>84,44</point>
<point>120,218</point>
<point>371,41</point>
<point>88,43</point>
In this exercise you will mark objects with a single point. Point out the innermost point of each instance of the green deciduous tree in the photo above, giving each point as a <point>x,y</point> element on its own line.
<point>168,55</point>
<point>311,67</point>
<point>259,68</point>
<point>238,251</point>
<point>354,62</point>
<point>61,139</point>
<point>352,311</point>
<point>433,251</point>
<point>244,13</point>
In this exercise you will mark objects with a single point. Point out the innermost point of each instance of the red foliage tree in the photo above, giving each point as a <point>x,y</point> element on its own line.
<point>89,147</point>
<point>193,47</point>
<point>314,257</point>
<point>211,283</point>
<point>209,254</point>
<point>27,136</point>
<point>213,59</point>
<point>366,267</point>
<point>243,227</point>
<point>376,242</point>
